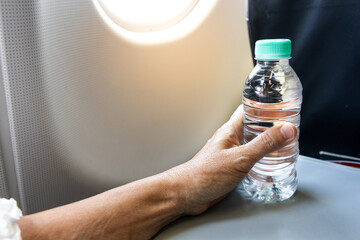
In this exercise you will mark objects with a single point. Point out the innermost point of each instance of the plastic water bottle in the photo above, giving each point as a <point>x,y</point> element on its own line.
<point>272,96</point>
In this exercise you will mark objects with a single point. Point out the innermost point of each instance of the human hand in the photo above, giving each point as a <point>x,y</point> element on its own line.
<point>140,209</point>
<point>223,162</point>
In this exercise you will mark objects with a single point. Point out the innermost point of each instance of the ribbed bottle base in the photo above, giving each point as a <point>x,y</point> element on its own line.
<point>268,191</point>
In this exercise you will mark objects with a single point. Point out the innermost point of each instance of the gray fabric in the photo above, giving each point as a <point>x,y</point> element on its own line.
<point>325,206</point>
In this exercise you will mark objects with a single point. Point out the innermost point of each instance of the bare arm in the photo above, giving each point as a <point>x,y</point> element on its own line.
<point>133,211</point>
<point>140,209</point>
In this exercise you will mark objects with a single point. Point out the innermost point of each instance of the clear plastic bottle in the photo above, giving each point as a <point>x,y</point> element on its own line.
<point>272,96</point>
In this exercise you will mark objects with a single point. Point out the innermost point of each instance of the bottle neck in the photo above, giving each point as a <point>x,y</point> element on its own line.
<point>281,61</point>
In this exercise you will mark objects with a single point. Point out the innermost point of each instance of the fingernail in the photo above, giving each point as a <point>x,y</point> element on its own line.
<point>287,131</point>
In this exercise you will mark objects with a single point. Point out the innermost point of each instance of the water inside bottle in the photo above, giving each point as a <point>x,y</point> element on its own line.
<point>273,178</point>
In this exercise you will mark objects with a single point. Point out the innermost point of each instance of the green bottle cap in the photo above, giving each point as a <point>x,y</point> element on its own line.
<point>272,49</point>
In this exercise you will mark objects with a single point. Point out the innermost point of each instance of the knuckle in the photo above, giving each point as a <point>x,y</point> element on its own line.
<point>224,132</point>
<point>245,162</point>
<point>250,156</point>
<point>231,134</point>
<point>228,131</point>
<point>268,142</point>
<point>215,135</point>
<point>218,131</point>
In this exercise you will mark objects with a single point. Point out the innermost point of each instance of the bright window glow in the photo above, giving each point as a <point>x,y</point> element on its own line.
<point>154,21</point>
<point>147,15</point>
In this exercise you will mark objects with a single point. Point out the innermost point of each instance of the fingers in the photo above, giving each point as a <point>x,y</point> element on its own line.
<point>237,116</point>
<point>236,121</point>
<point>271,140</point>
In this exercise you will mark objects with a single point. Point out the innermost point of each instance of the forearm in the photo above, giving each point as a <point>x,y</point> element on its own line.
<point>140,209</point>
<point>134,211</point>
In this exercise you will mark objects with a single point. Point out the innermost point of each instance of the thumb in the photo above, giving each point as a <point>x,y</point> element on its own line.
<point>271,140</point>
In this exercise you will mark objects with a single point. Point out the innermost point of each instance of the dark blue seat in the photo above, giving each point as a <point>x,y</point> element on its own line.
<point>326,56</point>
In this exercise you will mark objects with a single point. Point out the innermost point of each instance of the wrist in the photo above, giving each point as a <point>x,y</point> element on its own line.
<point>174,190</point>
<point>184,186</point>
